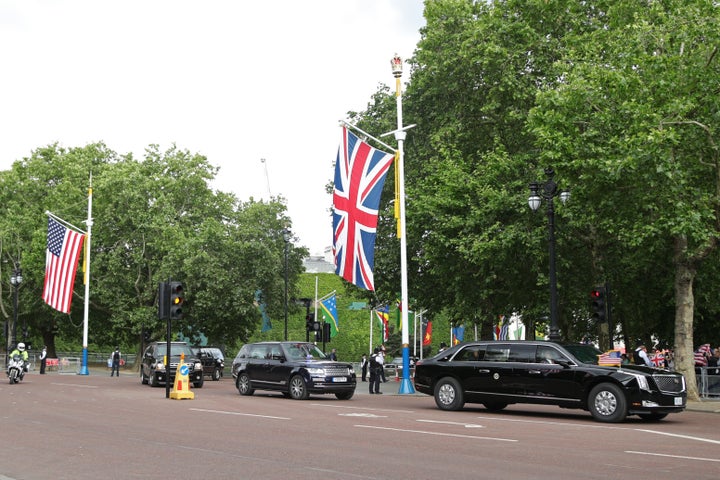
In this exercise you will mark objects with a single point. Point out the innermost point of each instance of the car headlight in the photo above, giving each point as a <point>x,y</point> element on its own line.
<point>160,366</point>
<point>316,372</point>
<point>642,381</point>
<point>198,366</point>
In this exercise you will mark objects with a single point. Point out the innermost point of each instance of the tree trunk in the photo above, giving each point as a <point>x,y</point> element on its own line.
<point>684,307</point>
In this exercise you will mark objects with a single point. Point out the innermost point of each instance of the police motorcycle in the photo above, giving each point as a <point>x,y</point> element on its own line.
<point>16,366</point>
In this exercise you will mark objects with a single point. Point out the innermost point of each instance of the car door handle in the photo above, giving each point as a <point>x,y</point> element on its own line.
<point>482,370</point>
<point>534,372</point>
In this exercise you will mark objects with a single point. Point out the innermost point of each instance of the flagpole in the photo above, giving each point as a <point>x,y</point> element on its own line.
<point>89,222</point>
<point>371,330</point>
<point>406,386</point>
<point>363,132</point>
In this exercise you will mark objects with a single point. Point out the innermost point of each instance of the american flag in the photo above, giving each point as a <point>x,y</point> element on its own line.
<point>360,172</point>
<point>610,359</point>
<point>700,355</point>
<point>61,261</point>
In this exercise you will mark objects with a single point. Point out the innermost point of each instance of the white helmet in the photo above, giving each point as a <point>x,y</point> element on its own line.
<point>21,346</point>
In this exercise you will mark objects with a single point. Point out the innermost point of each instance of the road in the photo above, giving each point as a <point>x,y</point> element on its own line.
<point>96,427</point>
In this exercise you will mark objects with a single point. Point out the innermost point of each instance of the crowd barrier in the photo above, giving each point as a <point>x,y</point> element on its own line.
<point>709,382</point>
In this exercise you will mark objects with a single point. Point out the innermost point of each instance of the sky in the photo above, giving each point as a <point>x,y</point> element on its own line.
<point>258,87</point>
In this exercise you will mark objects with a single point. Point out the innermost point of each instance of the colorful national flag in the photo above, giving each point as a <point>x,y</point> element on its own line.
<point>611,358</point>
<point>260,304</point>
<point>382,316</point>
<point>61,261</point>
<point>426,332</point>
<point>398,314</point>
<point>329,312</point>
<point>501,329</point>
<point>658,360</point>
<point>701,355</point>
<point>360,172</point>
<point>458,334</point>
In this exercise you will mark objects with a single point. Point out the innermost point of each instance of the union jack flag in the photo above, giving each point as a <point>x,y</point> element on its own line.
<point>360,172</point>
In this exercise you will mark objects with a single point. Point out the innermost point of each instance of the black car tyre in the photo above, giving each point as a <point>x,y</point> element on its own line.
<point>298,388</point>
<point>495,406</point>
<point>344,395</point>
<point>199,383</point>
<point>243,384</point>
<point>216,374</point>
<point>154,381</point>
<point>652,417</point>
<point>607,403</point>
<point>448,394</point>
<point>143,378</point>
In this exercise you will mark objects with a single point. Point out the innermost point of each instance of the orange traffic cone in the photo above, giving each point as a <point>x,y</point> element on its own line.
<point>181,388</point>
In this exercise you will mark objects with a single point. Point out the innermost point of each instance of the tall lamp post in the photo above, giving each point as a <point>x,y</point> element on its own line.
<point>548,191</point>
<point>15,280</point>
<point>286,237</point>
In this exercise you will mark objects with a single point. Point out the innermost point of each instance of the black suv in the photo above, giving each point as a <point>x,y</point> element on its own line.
<point>154,371</point>
<point>212,359</point>
<point>296,369</point>
<point>499,373</point>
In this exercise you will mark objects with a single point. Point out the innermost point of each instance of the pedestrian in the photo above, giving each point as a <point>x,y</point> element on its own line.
<point>624,359</point>
<point>641,356</point>
<point>364,367</point>
<point>333,355</point>
<point>375,369</point>
<point>443,347</point>
<point>381,360</point>
<point>115,362</point>
<point>43,360</point>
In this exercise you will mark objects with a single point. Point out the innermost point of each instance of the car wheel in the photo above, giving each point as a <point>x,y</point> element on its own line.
<point>607,403</point>
<point>298,388</point>
<point>243,384</point>
<point>652,417</point>
<point>345,395</point>
<point>199,383</point>
<point>216,374</point>
<point>154,381</point>
<point>495,406</point>
<point>143,378</point>
<point>448,394</point>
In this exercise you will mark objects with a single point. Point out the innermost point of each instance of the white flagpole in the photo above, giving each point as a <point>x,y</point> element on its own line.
<point>89,222</point>
<point>406,386</point>
<point>371,330</point>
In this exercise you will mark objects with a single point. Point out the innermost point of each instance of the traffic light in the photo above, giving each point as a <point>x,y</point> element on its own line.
<point>598,304</point>
<point>310,322</point>
<point>163,300</point>
<point>177,299</point>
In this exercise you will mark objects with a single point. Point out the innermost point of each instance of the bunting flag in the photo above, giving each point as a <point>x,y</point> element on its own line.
<point>501,329</point>
<point>458,334</point>
<point>61,262</point>
<point>382,315</point>
<point>398,314</point>
<point>329,312</point>
<point>426,332</point>
<point>360,172</point>
<point>260,304</point>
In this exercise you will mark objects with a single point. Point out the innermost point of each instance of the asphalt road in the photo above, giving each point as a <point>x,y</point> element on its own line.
<point>96,427</point>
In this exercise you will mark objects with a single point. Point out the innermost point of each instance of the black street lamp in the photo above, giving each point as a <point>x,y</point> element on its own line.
<point>15,280</point>
<point>286,237</point>
<point>548,191</point>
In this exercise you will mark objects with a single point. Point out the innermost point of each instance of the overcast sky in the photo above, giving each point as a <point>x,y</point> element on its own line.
<point>237,81</point>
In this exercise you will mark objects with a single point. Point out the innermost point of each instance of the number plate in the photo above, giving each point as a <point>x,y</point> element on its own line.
<point>678,400</point>
<point>339,379</point>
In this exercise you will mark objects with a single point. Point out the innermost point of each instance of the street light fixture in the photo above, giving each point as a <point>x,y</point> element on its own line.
<point>286,237</point>
<point>15,280</point>
<point>548,191</point>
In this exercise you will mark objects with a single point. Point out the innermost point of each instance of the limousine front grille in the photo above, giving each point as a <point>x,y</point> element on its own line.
<point>670,383</point>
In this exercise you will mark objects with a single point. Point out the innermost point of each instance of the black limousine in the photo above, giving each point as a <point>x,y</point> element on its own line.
<point>499,373</point>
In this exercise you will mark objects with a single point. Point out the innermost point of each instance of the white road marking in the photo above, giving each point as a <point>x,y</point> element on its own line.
<point>362,408</point>
<point>366,415</point>
<point>676,435</point>
<point>74,385</point>
<point>466,425</point>
<point>223,412</point>
<point>439,434</point>
<point>674,456</point>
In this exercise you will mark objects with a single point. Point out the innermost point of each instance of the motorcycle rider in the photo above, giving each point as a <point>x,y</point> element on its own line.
<point>21,352</point>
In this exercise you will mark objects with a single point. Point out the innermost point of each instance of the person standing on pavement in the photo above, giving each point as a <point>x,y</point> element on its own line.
<point>333,355</point>
<point>43,360</point>
<point>375,369</point>
<point>381,354</point>
<point>641,356</point>
<point>364,367</point>
<point>115,362</point>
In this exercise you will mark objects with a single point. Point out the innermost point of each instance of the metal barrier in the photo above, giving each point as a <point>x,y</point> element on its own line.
<point>709,382</point>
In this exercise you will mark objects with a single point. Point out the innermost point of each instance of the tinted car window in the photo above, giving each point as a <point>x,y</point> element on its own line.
<point>497,353</point>
<point>522,353</point>
<point>549,355</point>
<point>472,353</point>
<point>258,351</point>
<point>584,353</point>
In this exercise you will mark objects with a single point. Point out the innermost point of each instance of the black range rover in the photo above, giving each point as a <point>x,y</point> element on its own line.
<point>499,373</point>
<point>154,371</point>
<point>296,369</point>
